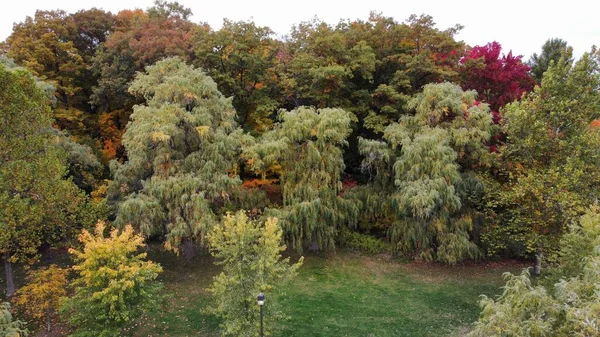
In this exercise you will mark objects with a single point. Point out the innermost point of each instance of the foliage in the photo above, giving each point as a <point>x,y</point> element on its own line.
<point>31,175</point>
<point>499,80</point>
<point>570,308</point>
<point>114,285</point>
<point>552,50</point>
<point>307,145</point>
<point>181,147</point>
<point>433,159</point>
<point>47,51</point>
<point>240,57</point>
<point>549,160</point>
<point>364,243</point>
<point>40,297</point>
<point>250,253</point>
<point>83,166</point>
<point>139,39</point>
<point>8,326</point>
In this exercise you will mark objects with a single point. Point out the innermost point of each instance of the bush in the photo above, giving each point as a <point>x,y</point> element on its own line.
<point>364,243</point>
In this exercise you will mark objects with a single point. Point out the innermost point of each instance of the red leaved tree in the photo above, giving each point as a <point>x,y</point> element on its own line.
<point>498,79</point>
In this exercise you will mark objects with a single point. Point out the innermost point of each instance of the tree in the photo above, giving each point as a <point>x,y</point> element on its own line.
<point>8,326</point>
<point>550,160</point>
<point>41,44</point>
<point>307,144</point>
<point>40,297</point>
<point>552,50</point>
<point>240,57</point>
<point>139,39</point>
<point>569,308</point>
<point>250,253</point>
<point>115,283</point>
<point>181,147</point>
<point>433,158</point>
<point>499,80</point>
<point>38,205</point>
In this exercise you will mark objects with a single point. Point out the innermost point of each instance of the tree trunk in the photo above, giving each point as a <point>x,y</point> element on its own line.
<point>10,280</point>
<point>48,327</point>
<point>188,250</point>
<point>537,270</point>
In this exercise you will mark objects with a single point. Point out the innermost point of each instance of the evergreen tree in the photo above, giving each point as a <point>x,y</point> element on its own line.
<point>307,144</point>
<point>433,159</point>
<point>250,253</point>
<point>552,50</point>
<point>182,146</point>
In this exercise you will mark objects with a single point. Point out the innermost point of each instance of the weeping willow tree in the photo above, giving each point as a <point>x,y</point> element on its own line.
<point>307,144</point>
<point>427,165</point>
<point>181,147</point>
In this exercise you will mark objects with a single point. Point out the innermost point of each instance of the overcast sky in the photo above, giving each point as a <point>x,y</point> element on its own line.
<point>521,26</point>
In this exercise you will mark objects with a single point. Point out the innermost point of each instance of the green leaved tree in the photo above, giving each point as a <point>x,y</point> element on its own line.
<point>182,147</point>
<point>550,159</point>
<point>569,307</point>
<point>250,253</point>
<point>38,205</point>
<point>307,144</point>
<point>114,285</point>
<point>8,326</point>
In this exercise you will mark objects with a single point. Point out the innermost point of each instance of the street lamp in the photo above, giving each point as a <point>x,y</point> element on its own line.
<point>261,302</point>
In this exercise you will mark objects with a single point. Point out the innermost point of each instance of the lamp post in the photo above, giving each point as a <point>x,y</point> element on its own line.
<point>261,302</point>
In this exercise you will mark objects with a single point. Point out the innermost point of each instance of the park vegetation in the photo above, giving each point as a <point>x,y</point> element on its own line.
<point>117,130</point>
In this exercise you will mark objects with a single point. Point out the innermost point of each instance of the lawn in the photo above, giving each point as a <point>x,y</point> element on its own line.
<point>342,294</point>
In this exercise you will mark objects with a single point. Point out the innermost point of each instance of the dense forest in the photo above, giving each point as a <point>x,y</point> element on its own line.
<point>376,135</point>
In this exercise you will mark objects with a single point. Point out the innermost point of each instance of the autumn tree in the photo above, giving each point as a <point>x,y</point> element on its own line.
<point>115,282</point>
<point>8,326</point>
<point>550,159</point>
<point>39,205</point>
<point>498,79</point>
<point>307,144</point>
<point>250,253</point>
<point>40,297</point>
<point>181,147</point>
<point>240,57</point>
<point>140,38</point>
<point>552,50</point>
<point>47,51</point>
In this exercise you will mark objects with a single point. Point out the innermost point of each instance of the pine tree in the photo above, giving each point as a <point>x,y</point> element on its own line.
<point>432,159</point>
<point>182,146</point>
<point>307,143</point>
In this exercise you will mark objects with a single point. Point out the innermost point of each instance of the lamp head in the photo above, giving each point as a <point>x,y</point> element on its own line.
<point>261,299</point>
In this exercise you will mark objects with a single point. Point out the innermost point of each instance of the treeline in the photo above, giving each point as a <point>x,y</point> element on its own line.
<point>375,134</point>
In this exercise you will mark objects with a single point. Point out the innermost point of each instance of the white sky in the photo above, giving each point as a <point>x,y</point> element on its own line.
<point>521,26</point>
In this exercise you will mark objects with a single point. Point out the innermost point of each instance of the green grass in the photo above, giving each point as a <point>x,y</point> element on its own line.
<point>343,294</point>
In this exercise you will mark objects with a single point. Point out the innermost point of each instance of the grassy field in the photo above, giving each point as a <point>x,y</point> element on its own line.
<point>343,294</point>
